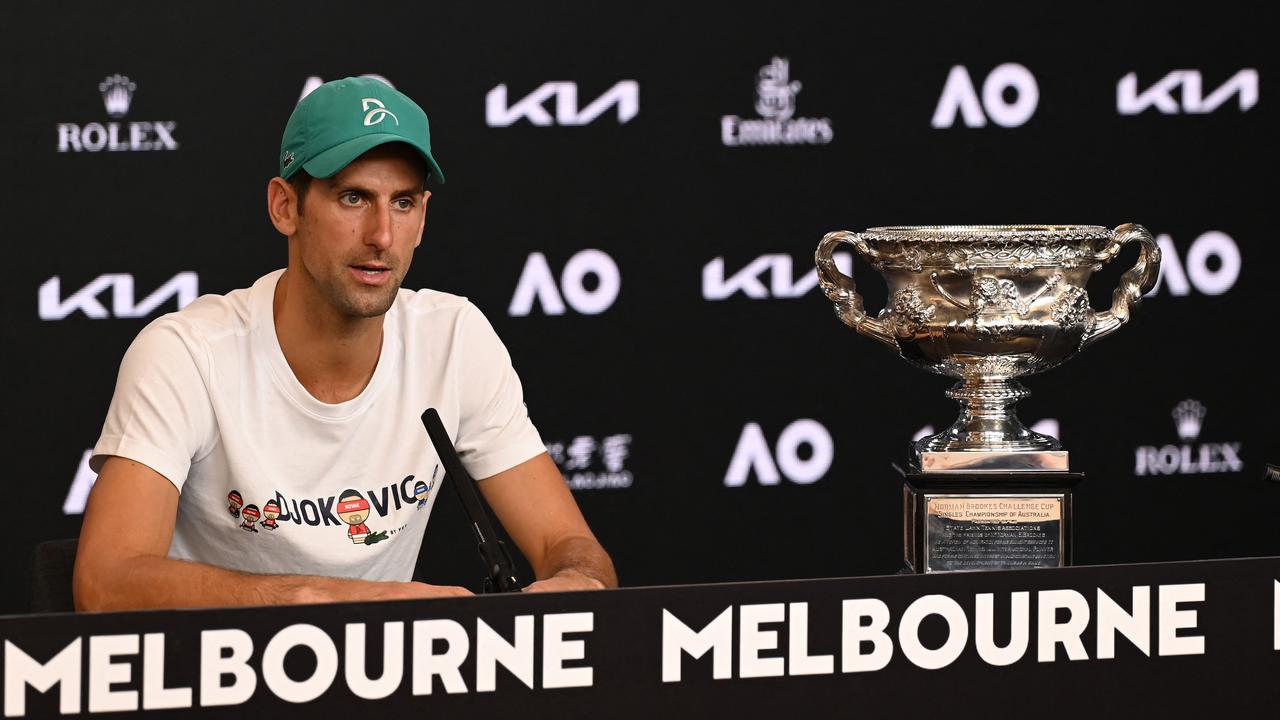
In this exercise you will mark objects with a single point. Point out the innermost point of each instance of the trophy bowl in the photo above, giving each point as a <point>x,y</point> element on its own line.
<point>987,304</point>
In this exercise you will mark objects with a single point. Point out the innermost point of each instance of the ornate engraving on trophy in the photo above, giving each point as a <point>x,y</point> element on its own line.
<point>987,305</point>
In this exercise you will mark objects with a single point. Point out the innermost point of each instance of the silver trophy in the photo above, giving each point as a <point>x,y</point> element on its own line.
<point>987,305</point>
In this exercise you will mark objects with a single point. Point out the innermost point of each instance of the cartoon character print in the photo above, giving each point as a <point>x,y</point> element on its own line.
<point>353,510</point>
<point>234,503</point>
<point>422,489</point>
<point>270,511</point>
<point>250,515</point>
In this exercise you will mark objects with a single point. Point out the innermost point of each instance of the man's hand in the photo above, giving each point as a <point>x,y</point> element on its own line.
<point>312,590</point>
<point>566,581</point>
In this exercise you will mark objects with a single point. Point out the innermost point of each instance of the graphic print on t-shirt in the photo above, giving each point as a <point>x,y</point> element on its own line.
<point>250,515</point>
<point>270,511</point>
<point>350,508</point>
<point>422,489</point>
<point>353,510</point>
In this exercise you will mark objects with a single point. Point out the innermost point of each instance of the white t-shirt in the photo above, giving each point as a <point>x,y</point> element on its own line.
<point>273,480</point>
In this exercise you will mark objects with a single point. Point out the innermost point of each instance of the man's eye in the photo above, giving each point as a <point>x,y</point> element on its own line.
<point>351,199</point>
<point>404,204</point>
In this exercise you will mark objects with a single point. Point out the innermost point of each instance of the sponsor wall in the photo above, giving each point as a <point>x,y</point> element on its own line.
<point>634,198</point>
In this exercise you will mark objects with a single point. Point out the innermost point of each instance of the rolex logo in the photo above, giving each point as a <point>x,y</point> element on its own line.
<point>1187,416</point>
<point>117,93</point>
<point>117,135</point>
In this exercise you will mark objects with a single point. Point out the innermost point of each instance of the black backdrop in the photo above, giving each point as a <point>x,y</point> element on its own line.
<point>674,384</point>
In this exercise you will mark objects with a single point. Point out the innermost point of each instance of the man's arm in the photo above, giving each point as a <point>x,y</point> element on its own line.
<point>533,503</point>
<point>121,561</point>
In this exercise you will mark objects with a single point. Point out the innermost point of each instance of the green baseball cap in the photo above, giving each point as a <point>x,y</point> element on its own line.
<point>343,119</point>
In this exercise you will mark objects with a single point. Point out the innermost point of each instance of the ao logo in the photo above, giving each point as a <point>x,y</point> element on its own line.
<point>753,454</point>
<point>1195,271</point>
<point>959,94</point>
<point>538,283</point>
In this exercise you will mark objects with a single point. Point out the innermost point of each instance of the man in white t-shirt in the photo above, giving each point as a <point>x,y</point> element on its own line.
<point>297,401</point>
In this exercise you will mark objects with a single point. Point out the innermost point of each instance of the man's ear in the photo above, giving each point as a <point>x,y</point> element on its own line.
<point>422,221</point>
<point>282,206</point>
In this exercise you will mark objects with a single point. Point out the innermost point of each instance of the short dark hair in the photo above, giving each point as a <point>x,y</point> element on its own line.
<point>300,182</point>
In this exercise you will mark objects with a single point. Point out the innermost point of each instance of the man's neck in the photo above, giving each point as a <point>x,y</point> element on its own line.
<point>332,356</point>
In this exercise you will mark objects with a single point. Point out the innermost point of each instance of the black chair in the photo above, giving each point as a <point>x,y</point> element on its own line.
<point>52,567</point>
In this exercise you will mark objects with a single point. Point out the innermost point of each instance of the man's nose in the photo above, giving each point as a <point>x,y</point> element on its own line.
<point>379,233</point>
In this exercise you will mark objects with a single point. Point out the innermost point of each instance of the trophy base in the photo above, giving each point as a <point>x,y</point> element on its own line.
<point>1037,461</point>
<point>987,521</point>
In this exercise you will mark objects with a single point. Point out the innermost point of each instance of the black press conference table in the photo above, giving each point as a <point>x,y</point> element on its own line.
<point>1182,639</point>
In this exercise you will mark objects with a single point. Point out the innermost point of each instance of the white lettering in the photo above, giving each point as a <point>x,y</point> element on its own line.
<point>63,669</point>
<point>821,451</point>
<point>853,633</point>
<point>1172,619</point>
<point>492,649</point>
<point>783,283</point>
<point>752,640</point>
<point>392,661</point>
<point>1018,78</point>
<point>427,664</point>
<point>213,666</point>
<point>958,94</point>
<point>799,661</point>
<point>1135,627</point>
<point>556,650</point>
<point>155,696</point>
<point>1160,95</point>
<point>1051,632</point>
<point>609,282</point>
<point>315,640</point>
<point>184,287</point>
<point>678,638</point>
<point>624,94</point>
<point>984,629</point>
<point>103,673</point>
<point>909,631</point>
<point>752,454</point>
<point>537,283</point>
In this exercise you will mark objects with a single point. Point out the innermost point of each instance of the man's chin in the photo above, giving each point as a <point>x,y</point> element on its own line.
<point>369,302</point>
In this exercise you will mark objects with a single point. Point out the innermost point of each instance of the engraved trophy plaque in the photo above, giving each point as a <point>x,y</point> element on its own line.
<point>987,305</point>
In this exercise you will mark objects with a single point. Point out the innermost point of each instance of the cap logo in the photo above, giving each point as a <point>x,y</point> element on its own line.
<point>288,159</point>
<point>378,113</point>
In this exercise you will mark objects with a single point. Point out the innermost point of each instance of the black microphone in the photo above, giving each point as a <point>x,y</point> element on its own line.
<point>501,576</point>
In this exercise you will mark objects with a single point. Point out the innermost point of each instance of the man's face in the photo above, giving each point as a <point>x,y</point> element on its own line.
<point>359,228</point>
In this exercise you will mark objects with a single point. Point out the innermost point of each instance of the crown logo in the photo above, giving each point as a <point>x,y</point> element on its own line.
<point>1187,416</point>
<point>117,92</point>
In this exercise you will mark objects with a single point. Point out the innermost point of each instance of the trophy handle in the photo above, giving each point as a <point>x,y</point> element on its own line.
<point>1135,283</point>
<point>840,289</point>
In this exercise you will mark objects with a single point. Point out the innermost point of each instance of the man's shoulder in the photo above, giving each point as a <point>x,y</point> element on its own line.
<point>208,318</point>
<point>211,315</point>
